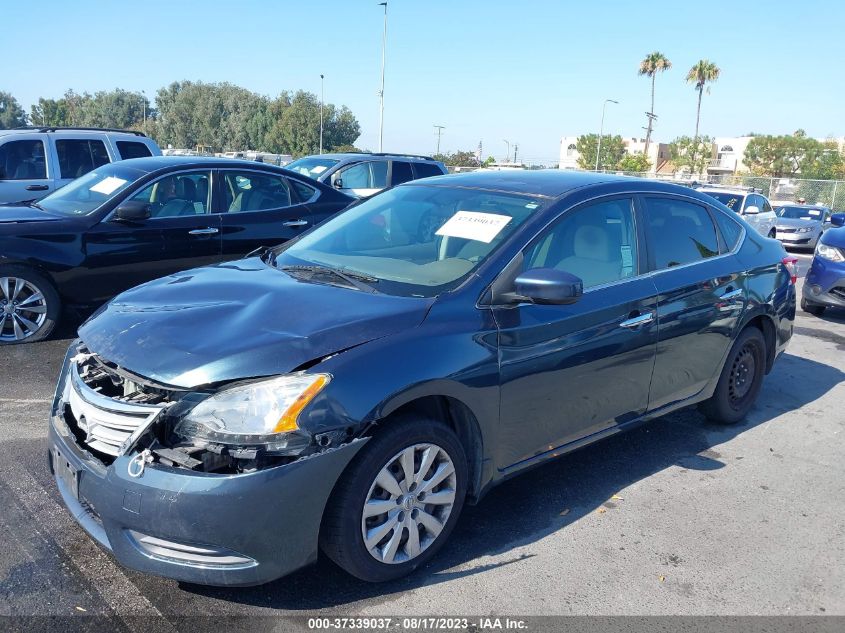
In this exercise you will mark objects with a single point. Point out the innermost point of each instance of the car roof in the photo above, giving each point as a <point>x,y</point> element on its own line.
<point>154,163</point>
<point>796,205</point>
<point>743,192</point>
<point>548,183</point>
<point>72,130</point>
<point>363,155</point>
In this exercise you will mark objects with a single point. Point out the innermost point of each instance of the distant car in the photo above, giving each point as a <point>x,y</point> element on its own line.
<point>35,161</point>
<point>129,222</point>
<point>824,286</point>
<point>349,390</point>
<point>753,207</point>
<point>364,174</point>
<point>801,224</point>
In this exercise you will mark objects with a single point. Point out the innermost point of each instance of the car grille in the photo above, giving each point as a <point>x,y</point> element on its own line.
<point>106,408</point>
<point>785,230</point>
<point>838,292</point>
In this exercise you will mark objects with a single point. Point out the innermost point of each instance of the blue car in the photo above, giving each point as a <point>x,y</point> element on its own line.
<point>347,391</point>
<point>824,286</point>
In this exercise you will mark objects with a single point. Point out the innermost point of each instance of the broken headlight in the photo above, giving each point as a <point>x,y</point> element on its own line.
<point>262,413</point>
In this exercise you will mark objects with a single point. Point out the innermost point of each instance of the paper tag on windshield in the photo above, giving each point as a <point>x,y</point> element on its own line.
<point>108,185</point>
<point>474,225</point>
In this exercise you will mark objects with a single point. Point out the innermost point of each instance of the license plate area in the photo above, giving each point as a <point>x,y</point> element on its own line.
<point>66,473</point>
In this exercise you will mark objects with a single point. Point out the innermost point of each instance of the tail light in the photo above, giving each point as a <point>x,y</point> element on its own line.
<point>791,265</point>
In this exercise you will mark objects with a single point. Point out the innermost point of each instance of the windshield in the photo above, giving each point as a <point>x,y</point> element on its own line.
<point>732,201</point>
<point>799,213</point>
<point>311,167</point>
<point>85,194</point>
<point>413,240</point>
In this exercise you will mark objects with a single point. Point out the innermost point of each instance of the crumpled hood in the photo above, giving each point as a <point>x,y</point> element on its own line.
<point>238,320</point>
<point>22,213</point>
<point>796,223</point>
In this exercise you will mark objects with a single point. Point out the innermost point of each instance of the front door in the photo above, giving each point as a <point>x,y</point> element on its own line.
<point>568,371</point>
<point>179,234</point>
<point>701,297</point>
<point>24,170</point>
<point>361,179</point>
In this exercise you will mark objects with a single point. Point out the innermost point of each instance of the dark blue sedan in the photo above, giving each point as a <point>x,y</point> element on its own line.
<point>348,391</point>
<point>825,283</point>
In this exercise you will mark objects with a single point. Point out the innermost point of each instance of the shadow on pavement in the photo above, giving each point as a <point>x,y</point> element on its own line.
<point>527,508</point>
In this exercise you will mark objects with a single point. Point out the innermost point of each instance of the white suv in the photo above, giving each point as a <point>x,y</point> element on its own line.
<point>753,207</point>
<point>35,161</point>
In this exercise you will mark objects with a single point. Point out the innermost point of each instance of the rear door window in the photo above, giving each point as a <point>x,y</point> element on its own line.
<point>79,156</point>
<point>401,173</point>
<point>679,232</point>
<point>254,191</point>
<point>23,160</point>
<point>133,149</point>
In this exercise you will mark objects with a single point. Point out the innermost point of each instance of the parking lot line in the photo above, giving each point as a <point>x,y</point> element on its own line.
<point>113,586</point>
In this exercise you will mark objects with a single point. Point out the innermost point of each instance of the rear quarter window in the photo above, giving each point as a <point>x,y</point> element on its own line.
<point>730,228</point>
<point>133,149</point>
<point>424,170</point>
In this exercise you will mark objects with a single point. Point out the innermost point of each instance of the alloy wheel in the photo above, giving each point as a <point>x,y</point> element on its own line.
<point>409,503</point>
<point>23,309</point>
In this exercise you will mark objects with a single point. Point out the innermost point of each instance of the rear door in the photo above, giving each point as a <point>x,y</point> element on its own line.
<point>180,233</point>
<point>701,295</point>
<point>25,172</point>
<point>260,208</point>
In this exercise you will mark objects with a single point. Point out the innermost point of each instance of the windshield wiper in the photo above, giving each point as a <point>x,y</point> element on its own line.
<point>358,281</point>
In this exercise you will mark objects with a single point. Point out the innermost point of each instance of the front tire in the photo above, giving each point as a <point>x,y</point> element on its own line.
<point>29,305</point>
<point>773,234</point>
<point>397,503</point>
<point>740,381</point>
<point>812,308</point>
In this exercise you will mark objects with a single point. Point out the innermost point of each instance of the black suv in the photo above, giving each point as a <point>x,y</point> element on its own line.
<point>130,222</point>
<point>362,174</point>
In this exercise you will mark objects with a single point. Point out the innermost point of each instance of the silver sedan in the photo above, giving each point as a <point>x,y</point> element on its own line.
<point>801,225</point>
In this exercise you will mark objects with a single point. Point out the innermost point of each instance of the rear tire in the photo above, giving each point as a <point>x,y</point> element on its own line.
<point>773,234</point>
<point>405,531</point>
<point>740,381</point>
<point>29,305</point>
<point>812,308</point>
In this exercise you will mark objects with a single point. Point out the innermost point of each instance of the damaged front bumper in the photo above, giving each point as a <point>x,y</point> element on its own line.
<point>228,529</point>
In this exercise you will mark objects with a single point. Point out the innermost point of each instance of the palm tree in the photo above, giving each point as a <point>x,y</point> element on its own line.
<point>700,74</point>
<point>652,64</point>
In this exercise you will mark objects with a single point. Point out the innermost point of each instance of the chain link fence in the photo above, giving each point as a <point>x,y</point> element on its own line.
<point>829,193</point>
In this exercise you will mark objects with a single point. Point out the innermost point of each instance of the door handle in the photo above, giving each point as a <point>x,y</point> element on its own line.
<point>37,188</point>
<point>295,223</point>
<point>732,294</point>
<point>637,321</point>
<point>208,231</point>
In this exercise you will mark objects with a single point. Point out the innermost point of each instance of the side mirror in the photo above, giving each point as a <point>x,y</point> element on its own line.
<point>837,219</point>
<point>547,286</point>
<point>133,211</point>
<point>338,183</point>
<point>752,210</point>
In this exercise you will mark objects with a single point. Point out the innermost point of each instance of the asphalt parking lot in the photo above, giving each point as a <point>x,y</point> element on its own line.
<point>676,517</point>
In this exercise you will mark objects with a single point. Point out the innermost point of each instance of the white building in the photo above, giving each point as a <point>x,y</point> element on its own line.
<point>658,153</point>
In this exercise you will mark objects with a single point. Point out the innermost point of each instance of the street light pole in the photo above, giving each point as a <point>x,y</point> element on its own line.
<point>322,99</point>
<point>508,155</point>
<point>381,92</point>
<point>144,107</point>
<point>601,130</point>
<point>439,129</point>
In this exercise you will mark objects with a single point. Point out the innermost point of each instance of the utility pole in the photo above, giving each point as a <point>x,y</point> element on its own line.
<point>381,92</point>
<point>515,149</point>
<point>144,107</point>
<point>439,129</point>
<point>508,155</point>
<point>322,99</point>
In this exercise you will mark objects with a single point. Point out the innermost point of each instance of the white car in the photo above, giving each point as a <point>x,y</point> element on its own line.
<point>753,207</point>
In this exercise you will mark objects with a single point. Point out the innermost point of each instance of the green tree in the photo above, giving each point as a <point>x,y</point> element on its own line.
<point>653,63</point>
<point>787,156</point>
<point>827,164</point>
<point>691,154</point>
<point>638,163</point>
<point>12,115</point>
<point>458,159</point>
<point>489,160</point>
<point>704,71</point>
<point>49,112</point>
<point>295,125</point>
<point>612,151</point>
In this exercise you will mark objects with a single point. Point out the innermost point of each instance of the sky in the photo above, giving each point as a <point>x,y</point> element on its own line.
<point>524,71</point>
